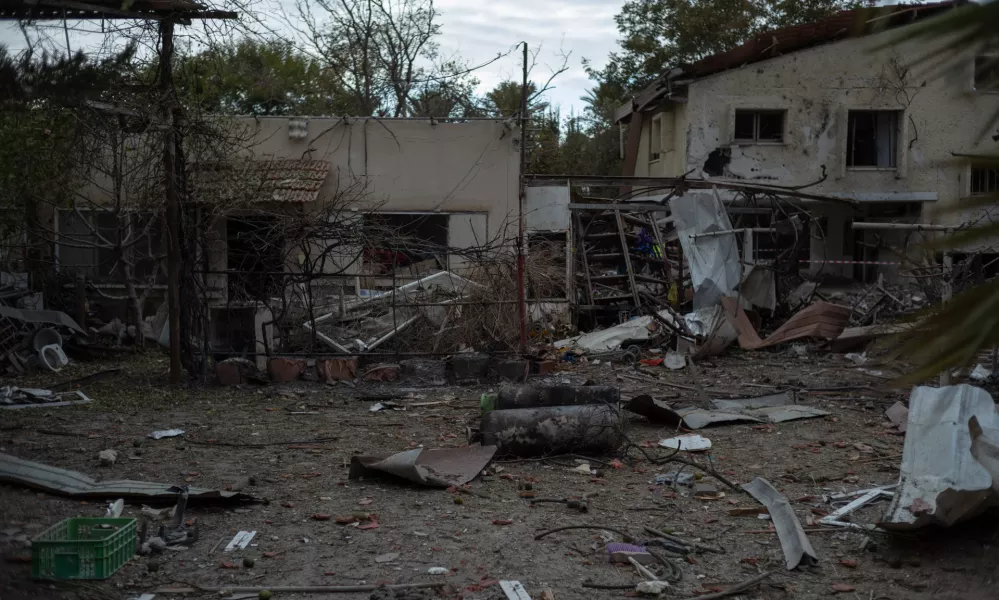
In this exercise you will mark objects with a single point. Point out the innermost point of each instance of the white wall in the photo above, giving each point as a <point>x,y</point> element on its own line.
<point>817,87</point>
<point>410,165</point>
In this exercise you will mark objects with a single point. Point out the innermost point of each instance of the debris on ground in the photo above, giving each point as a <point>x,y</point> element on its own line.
<point>793,541</point>
<point>940,480</point>
<point>435,468</point>
<point>774,408</point>
<point>166,433</point>
<point>528,432</point>
<point>16,471</point>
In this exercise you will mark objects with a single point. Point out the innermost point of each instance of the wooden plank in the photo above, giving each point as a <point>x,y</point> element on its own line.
<point>627,258</point>
<point>241,541</point>
<point>514,590</point>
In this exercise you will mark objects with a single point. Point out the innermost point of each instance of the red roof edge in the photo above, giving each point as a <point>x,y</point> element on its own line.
<point>846,23</point>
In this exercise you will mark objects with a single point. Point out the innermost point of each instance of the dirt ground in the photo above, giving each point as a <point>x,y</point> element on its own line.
<point>258,435</point>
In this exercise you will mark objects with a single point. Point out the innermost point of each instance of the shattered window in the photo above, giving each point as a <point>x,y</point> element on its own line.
<point>656,138</point>
<point>987,72</point>
<point>87,239</point>
<point>759,126</point>
<point>872,138</point>
<point>984,181</point>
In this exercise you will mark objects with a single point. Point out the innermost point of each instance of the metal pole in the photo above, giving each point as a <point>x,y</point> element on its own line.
<point>172,202</point>
<point>948,293</point>
<point>902,226</point>
<point>521,292</point>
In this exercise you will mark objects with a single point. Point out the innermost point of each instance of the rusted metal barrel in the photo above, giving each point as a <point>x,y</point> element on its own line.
<point>552,430</point>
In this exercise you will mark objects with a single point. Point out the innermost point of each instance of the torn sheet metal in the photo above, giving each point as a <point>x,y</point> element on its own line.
<point>611,338</point>
<point>714,333</point>
<point>729,411</point>
<point>15,471</point>
<point>759,288</point>
<point>778,399</point>
<point>780,414</point>
<point>820,320</point>
<point>638,329</point>
<point>793,540</point>
<point>940,481</point>
<point>434,468</point>
<point>41,317</point>
<point>898,414</point>
<point>12,398</point>
<point>715,266</point>
<point>698,418</point>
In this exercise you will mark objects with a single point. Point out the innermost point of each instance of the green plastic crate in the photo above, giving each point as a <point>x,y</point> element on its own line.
<point>83,548</point>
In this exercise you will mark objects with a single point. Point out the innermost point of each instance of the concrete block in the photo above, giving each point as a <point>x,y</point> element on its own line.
<point>385,372</point>
<point>234,371</point>
<point>336,369</point>
<point>470,365</point>
<point>425,369</point>
<point>513,370</point>
<point>544,367</point>
<point>285,369</point>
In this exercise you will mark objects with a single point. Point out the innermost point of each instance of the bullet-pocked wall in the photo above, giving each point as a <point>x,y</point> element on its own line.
<point>853,118</point>
<point>468,170</point>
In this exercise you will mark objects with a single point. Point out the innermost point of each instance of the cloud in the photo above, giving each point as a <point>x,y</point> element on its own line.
<point>477,31</point>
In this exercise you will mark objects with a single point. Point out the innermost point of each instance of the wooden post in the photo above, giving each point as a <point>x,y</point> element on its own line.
<point>81,300</point>
<point>172,202</point>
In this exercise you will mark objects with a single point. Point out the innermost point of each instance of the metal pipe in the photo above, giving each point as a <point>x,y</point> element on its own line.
<point>903,226</point>
<point>694,236</point>
<point>521,291</point>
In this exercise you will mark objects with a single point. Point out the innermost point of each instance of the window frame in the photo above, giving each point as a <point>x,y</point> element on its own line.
<point>895,140</point>
<point>109,280</point>
<point>656,137</point>
<point>971,182</point>
<point>993,57</point>
<point>756,113</point>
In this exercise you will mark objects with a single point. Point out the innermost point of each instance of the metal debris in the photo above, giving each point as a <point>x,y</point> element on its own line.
<point>241,540</point>
<point>435,468</point>
<point>16,471</point>
<point>940,481</point>
<point>793,540</point>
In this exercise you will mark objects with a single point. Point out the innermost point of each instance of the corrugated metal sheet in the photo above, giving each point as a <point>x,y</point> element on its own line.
<point>862,21</point>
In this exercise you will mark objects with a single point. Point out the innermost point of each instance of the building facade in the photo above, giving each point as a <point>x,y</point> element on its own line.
<point>856,117</point>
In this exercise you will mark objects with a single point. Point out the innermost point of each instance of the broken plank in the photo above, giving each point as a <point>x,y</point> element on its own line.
<point>241,541</point>
<point>514,590</point>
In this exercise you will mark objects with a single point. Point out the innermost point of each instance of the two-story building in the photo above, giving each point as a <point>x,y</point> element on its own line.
<point>838,108</point>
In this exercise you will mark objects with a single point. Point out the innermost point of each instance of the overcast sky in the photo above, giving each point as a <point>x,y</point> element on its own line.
<point>478,30</point>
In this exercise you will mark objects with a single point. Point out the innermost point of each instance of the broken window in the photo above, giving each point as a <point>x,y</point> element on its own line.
<point>255,255</point>
<point>759,126</point>
<point>415,245</point>
<point>656,138</point>
<point>987,72</point>
<point>87,243</point>
<point>984,181</point>
<point>872,138</point>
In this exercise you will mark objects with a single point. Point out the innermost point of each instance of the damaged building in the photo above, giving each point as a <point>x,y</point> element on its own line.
<point>831,108</point>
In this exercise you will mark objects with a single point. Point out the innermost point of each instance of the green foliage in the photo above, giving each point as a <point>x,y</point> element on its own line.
<point>252,77</point>
<point>658,35</point>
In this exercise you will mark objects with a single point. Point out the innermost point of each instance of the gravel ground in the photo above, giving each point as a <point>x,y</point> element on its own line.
<point>486,533</point>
